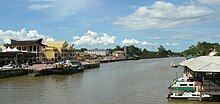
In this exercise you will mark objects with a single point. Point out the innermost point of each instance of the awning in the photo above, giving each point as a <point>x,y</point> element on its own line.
<point>203,64</point>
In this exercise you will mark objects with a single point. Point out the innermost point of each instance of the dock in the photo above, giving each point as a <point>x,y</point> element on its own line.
<point>47,69</point>
<point>116,60</point>
<point>12,73</point>
<point>90,65</point>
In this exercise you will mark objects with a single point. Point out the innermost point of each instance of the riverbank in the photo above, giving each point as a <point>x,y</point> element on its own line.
<point>46,69</point>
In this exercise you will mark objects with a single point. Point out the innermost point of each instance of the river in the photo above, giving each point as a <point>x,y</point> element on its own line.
<point>126,82</point>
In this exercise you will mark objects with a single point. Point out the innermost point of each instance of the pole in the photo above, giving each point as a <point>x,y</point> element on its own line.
<point>176,75</point>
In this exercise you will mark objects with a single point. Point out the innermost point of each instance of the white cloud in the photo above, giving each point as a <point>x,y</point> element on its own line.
<point>39,6</point>
<point>6,36</point>
<point>61,8</point>
<point>144,43</point>
<point>163,14</point>
<point>211,2</point>
<point>93,38</point>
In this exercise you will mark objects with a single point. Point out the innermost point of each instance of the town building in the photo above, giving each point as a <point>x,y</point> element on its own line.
<point>85,56</point>
<point>101,52</point>
<point>119,54</point>
<point>59,51</point>
<point>2,48</point>
<point>14,56</point>
<point>29,46</point>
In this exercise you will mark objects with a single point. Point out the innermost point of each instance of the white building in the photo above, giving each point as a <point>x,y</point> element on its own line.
<point>101,52</point>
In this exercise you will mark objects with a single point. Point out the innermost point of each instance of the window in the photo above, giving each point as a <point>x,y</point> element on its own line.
<point>30,48</point>
<point>19,48</point>
<point>55,54</point>
<point>24,48</point>
<point>190,84</point>
<point>183,84</point>
<point>35,48</point>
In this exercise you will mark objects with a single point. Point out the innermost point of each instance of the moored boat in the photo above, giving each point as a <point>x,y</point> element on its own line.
<point>190,95</point>
<point>69,67</point>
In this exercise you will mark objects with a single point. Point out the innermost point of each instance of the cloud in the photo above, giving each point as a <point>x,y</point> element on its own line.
<point>144,43</point>
<point>39,6</point>
<point>163,14</point>
<point>93,38</point>
<point>6,36</point>
<point>61,8</point>
<point>210,2</point>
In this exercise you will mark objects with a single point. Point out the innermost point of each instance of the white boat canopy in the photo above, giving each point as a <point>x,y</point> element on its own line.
<point>203,64</point>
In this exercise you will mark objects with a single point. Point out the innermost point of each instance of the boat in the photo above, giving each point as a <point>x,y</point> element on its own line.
<point>68,67</point>
<point>189,95</point>
<point>185,89</point>
<point>181,85</point>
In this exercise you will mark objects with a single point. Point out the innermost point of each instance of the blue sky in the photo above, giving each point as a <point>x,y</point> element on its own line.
<point>175,24</point>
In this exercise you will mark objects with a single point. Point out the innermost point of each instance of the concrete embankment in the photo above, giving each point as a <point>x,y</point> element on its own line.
<point>116,60</point>
<point>42,70</point>
<point>90,65</point>
<point>12,73</point>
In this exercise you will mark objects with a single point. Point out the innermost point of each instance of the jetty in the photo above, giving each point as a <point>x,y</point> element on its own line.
<point>49,69</point>
<point>12,73</point>
<point>206,71</point>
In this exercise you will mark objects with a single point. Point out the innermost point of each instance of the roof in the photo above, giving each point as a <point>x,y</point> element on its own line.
<point>26,42</point>
<point>118,52</point>
<point>56,43</point>
<point>96,50</point>
<point>203,64</point>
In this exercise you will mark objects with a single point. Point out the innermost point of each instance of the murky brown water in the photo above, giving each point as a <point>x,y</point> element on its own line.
<point>128,82</point>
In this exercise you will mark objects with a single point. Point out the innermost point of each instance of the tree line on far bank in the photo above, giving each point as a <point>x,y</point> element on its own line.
<point>133,51</point>
<point>202,49</point>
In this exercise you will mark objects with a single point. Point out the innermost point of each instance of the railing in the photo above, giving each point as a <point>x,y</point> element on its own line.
<point>211,85</point>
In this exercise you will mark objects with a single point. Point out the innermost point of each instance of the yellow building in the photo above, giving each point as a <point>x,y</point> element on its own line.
<point>59,51</point>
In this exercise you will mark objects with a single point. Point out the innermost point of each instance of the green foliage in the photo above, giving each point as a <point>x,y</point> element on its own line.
<point>117,48</point>
<point>218,54</point>
<point>132,51</point>
<point>201,49</point>
<point>162,52</point>
<point>0,49</point>
<point>144,53</point>
<point>81,50</point>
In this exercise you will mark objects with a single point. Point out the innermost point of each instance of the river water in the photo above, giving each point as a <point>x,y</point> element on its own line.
<point>127,82</point>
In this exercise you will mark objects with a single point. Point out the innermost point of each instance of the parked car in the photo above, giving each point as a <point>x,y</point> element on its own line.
<point>7,67</point>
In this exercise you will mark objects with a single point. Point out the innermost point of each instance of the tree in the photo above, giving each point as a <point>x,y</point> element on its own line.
<point>144,53</point>
<point>162,51</point>
<point>201,49</point>
<point>83,49</point>
<point>132,51</point>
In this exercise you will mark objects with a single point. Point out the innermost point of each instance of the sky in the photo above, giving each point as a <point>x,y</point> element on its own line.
<point>175,24</point>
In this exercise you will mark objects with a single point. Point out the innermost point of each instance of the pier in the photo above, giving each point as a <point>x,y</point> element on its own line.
<point>47,69</point>
<point>12,73</point>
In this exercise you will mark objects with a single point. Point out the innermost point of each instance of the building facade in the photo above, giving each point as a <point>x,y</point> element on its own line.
<point>118,54</point>
<point>16,57</point>
<point>101,52</point>
<point>59,51</point>
<point>30,46</point>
